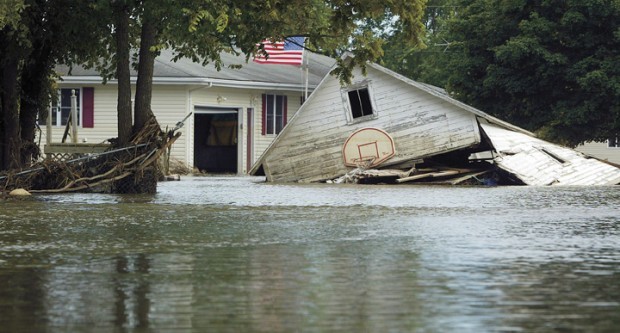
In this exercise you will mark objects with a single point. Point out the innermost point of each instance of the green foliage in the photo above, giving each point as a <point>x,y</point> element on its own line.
<point>39,34</point>
<point>36,35</point>
<point>551,66</point>
<point>331,27</point>
<point>10,12</point>
<point>425,62</point>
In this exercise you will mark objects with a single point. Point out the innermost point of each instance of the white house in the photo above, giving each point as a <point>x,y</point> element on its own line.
<point>235,113</point>
<point>607,151</point>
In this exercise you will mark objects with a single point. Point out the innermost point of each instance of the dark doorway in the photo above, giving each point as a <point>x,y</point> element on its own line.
<point>215,141</point>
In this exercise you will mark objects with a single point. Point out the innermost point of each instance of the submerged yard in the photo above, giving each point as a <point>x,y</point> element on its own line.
<point>237,254</point>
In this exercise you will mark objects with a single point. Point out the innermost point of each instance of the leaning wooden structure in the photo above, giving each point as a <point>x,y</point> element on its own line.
<point>384,127</point>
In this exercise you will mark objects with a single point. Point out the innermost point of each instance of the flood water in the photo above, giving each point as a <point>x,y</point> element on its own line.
<point>235,254</point>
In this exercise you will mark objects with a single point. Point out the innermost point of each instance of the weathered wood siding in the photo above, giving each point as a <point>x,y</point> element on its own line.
<point>601,150</point>
<point>420,124</point>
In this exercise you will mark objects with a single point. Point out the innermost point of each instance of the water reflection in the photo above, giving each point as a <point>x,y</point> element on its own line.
<point>131,304</point>
<point>235,254</point>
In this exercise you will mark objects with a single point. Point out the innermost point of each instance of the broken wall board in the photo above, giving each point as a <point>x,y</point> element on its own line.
<point>537,162</point>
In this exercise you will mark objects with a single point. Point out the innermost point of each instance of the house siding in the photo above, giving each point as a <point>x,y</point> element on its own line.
<point>420,124</point>
<point>241,99</point>
<point>104,117</point>
<point>170,104</point>
<point>601,151</point>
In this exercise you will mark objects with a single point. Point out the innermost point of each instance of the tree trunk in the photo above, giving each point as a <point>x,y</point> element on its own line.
<point>34,100</point>
<point>143,182</point>
<point>144,84</point>
<point>121,13</point>
<point>27,121</point>
<point>10,115</point>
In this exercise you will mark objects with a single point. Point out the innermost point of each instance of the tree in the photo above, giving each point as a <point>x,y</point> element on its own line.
<point>202,30</point>
<point>10,54</point>
<point>329,25</point>
<point>78,32</point>
<point>551,66</point>
<point>122,13</point>
<point>426,62</point>
<point>35,35</point>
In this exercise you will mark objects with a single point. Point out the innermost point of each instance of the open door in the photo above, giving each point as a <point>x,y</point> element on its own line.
<point>216,139</point>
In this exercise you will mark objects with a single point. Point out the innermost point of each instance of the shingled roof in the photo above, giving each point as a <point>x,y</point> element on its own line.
<point>185,71</point>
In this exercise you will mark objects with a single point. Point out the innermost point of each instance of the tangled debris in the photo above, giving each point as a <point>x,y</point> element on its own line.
<point>438,175</point>
<point>130,169</point>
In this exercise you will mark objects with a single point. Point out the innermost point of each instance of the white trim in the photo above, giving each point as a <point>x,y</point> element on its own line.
<point>218,109</point>
<point>275,113</point>
<point>365,84</point>
<point>80,108</point>
<point>94,79</point>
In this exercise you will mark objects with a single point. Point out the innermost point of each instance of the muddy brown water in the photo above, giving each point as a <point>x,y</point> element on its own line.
<point>234,254</point>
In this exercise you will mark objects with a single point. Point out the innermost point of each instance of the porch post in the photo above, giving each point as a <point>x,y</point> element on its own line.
<point>48,125</point>
<point>74,117</point>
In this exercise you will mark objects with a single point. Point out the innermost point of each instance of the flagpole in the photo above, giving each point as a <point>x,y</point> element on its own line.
<point>307,65</point>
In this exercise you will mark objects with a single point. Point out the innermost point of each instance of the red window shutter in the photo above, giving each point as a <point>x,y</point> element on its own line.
<point>284,112</point>
<point>264,114</point>
<point>88,107</point>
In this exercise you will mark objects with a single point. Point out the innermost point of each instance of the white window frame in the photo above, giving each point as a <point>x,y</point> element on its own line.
<point>58,110</point>
<point>366,84</point>
<point>274,111</point>
<point>613,144</point>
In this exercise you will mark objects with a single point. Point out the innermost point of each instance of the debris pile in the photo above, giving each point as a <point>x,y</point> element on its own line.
<point>130,169</point>
<point>480,174</point>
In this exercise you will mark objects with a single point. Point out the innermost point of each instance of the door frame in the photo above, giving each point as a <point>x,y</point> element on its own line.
<point>249,139</point>
<point>212,109</point>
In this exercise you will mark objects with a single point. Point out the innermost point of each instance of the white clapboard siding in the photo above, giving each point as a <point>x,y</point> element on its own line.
<point>261,142</point>
<point>170,104</point>
<point>421,125</point>
<point>601,150</point>
<point>104,118</point>
<point>241,99</point>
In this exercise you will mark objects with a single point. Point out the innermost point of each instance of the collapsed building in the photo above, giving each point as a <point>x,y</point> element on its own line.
<point>384,127</point>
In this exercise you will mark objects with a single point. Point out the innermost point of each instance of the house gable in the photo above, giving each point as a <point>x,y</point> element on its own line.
<point>422,124</point>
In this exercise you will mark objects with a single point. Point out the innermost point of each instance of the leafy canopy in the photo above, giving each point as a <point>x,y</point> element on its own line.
<point>201,30</point>
<point>551,66</point>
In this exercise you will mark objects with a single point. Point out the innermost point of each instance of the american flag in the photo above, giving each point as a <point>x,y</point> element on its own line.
<point>287,52</point>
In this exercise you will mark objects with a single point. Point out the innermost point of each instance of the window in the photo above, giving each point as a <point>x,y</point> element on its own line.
<point>62,107</point>
<point>359,103</point>
<point>613,142</point>
<point>274,113</point>
<point>85,103</point>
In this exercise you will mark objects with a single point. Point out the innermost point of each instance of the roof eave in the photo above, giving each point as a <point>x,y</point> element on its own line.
<point>193,81</point>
